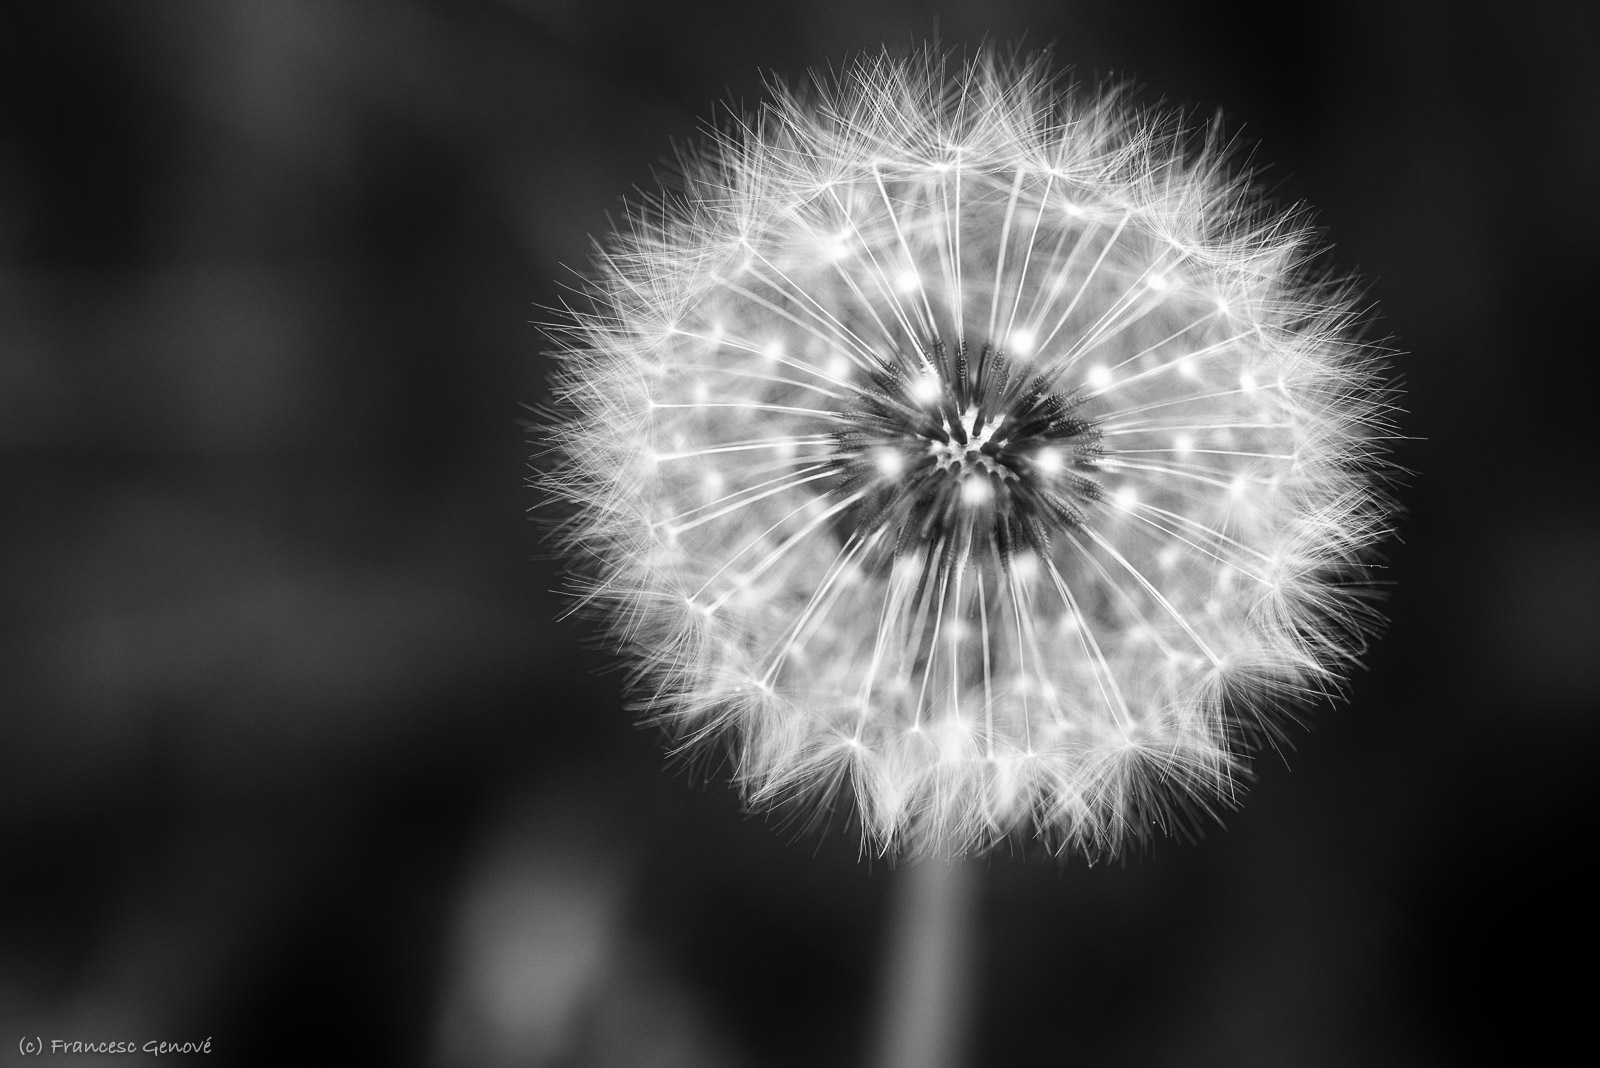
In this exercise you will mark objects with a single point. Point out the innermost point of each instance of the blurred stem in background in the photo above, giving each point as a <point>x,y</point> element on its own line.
<point>928,987</point>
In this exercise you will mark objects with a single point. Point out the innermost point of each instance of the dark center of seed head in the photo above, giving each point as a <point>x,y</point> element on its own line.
<point>968,458</point>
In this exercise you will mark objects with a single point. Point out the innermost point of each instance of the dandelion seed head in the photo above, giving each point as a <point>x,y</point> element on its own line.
<point>969,452</point>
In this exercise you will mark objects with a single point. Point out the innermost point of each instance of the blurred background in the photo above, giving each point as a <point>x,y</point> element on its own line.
<point>294,754</point>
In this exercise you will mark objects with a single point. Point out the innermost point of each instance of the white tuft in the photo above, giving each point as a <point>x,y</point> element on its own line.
<point>1093,688</point>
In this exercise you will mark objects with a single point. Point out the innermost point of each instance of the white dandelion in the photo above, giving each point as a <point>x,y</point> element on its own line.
<point>975,450</point>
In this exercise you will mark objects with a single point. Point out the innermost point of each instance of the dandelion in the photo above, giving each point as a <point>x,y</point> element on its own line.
<point>973,450</point>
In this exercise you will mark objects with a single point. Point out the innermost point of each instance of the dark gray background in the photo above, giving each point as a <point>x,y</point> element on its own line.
<point>294,755</point>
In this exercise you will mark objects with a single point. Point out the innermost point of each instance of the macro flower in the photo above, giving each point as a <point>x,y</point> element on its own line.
<point>975,451</point>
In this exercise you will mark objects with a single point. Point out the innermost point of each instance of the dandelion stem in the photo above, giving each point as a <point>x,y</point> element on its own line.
<point>928,983</point>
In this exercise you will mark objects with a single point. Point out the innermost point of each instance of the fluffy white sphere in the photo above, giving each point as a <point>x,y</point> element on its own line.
<point>973,448</point>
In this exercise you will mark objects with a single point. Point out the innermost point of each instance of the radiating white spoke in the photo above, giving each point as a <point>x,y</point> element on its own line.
<point>756,406</point>
<point>1027,260</point>
<point>1105,678</point>
<point>750,445</point>
<point>1000,257</point>
<point>927,327</point>
<point>1150,588</point>
<point>782,486</point>
<point>1083,288</point>
<point>842,559</point>
<point>838,339</point>
<point>761,376</point>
